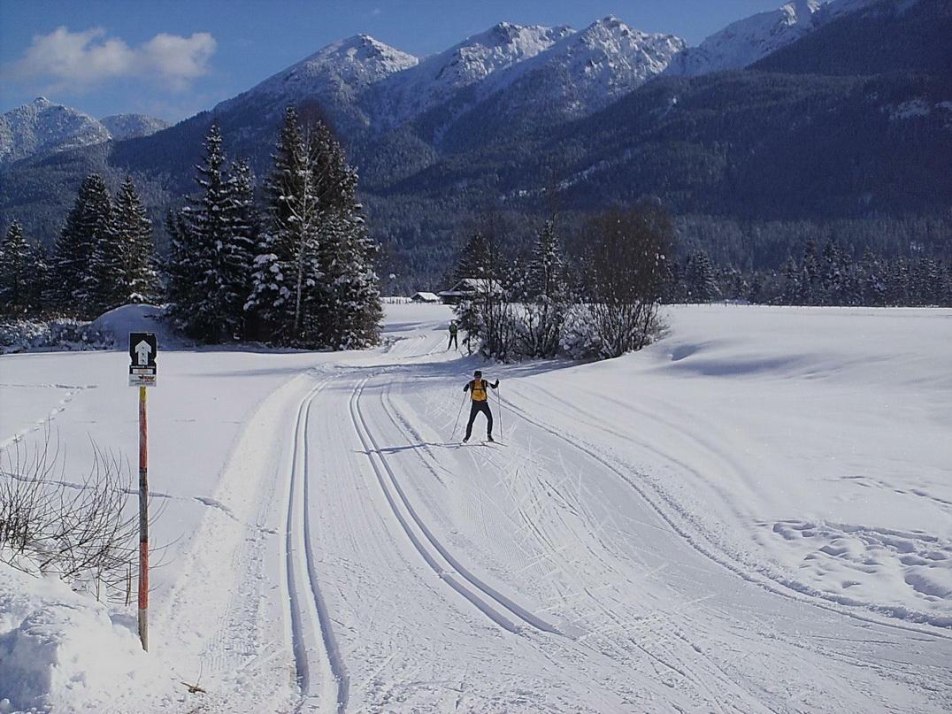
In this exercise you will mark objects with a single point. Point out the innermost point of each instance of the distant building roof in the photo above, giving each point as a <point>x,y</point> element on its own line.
<point>472,286</point>
<point>425,297</point>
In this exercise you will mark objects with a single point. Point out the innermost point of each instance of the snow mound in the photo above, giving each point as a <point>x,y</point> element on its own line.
<point>118,323</point>
<point>61,651</point>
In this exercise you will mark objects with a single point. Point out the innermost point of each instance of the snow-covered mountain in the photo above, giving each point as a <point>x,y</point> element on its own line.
<point>42,127</point>
<point>591,68</point>
<point>132,126</point>
<point>746,41</point>
<point>577,76</point>
<point>335,77</point>
<point>438,78</point>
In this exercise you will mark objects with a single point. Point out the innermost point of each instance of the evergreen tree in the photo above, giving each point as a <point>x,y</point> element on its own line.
<point>286,262</point>
<point>88,224</point>
<point>810,276</point>
<point>21,277</point>
<point>180,273</point>
<point>700,278</point>
<point>314,283</point>
<point>137,281</point>
<point>237,253</point>
<point>546,296</point>
<point>792,289</point>
<point>351,301</point>
<point>210,257</point>
<point>120,268</point>
<point>873,283</point>
<point>474,260</point>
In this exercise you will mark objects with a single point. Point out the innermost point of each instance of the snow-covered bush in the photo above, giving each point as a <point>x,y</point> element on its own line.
<point>58,334</point>
<point>579,339</point>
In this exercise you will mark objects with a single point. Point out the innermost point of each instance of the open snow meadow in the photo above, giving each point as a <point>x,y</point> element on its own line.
<point>754,514</point>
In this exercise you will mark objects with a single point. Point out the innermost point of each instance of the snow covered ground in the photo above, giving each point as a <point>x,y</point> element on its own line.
<point>752,515</point>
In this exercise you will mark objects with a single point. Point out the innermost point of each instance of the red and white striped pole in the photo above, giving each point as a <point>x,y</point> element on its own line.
<point>143,521</point>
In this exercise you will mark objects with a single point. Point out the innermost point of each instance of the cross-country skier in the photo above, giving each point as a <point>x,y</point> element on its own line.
<point>478,389</point>
<point>453,329</point>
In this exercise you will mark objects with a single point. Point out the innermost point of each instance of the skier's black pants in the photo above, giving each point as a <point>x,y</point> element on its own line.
<point>453,341</point>
<point>476,409</point>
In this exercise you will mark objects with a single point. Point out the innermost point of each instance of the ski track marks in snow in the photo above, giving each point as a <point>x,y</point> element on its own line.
<point>488,600</point>
<point>312,633</point>
<point>921,554</point>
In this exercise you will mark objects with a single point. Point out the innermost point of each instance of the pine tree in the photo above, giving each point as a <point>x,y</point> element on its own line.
<point>21,277</point>
<point>792,289</point>
<point>133,230</point>
<point>474,260</point>
<point>210,258</point>
<point>349,298</point>
<point>314,284</point>
<point>810,277</point>
<point>546,293</point>
<point>700,277</point>
<point>237,254</point>
<point>286,262</point>
<point>872,280</point>
<point>180,273</point>
<point>88,224</point>
<point>120,267</point>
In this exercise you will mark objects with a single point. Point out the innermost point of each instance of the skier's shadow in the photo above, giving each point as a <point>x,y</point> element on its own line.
<point>407,447</point>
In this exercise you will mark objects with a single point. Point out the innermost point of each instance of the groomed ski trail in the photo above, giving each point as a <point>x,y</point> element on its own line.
<point>312,631</point>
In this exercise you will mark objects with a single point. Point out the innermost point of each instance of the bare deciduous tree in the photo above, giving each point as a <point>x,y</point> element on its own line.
<point>624,270</point>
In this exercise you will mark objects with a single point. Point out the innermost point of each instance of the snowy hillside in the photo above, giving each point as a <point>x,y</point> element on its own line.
<point>751,515</point>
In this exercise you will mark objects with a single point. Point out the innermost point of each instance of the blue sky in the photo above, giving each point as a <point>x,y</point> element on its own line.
<point>173,58</point>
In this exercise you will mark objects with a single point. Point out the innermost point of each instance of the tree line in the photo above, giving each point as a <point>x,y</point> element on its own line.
<point>290,264</point>
<point>820,276</point>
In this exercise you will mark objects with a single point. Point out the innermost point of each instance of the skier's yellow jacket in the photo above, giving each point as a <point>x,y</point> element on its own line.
<point>478,390</point>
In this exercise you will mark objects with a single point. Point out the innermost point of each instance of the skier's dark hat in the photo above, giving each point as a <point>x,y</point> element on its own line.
<point>477,373</point>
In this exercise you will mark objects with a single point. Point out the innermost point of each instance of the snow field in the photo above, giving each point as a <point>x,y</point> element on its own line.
<point>752,514</point>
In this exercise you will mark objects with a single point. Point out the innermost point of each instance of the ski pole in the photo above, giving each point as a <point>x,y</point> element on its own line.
<point>458,415</point>
<point>499,404</point>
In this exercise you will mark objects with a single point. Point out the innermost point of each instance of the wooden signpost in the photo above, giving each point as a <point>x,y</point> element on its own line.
<point>142,374</point>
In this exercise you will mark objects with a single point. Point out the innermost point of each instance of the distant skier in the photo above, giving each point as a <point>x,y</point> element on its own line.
<point>454,328</point>
<point>478,389</point>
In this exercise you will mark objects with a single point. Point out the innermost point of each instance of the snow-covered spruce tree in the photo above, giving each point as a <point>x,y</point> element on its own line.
<point>625,268</point>
<point>134,234</point>
<point>700,278</point>
<point>88,224</point>
<point>180,274</point>
<point>314,284</point>
<point>209,262</point>
<point>120,267</point>
<point>21,274</point>
<point>474,259</point>
<point>348,298</point>
<point>546,297</point>
<point>286,260</point>
<point>238,258</point>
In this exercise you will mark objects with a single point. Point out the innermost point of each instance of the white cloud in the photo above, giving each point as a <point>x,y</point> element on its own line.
<point>85,59</point>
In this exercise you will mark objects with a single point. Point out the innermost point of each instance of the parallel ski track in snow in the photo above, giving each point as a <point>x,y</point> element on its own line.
<point>311,630</point>
<point>488,600</point>
<point>712,552</point>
